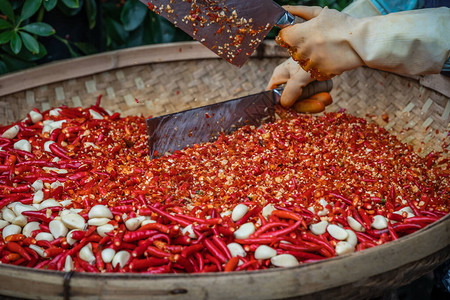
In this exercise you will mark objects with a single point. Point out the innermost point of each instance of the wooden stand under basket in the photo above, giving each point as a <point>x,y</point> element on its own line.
<point>156,80</point>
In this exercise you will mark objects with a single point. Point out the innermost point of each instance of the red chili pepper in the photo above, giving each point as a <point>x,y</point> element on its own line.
<point>16,248</point>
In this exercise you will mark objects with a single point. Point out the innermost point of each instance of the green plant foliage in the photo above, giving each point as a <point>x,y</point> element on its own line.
<point>117,24</point>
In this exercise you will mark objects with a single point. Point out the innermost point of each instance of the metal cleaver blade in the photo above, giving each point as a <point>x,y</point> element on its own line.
<point>232,29</point>
<point>204,124</point>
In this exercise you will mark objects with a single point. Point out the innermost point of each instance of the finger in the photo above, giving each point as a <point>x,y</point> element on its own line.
<point>292,91</point>
<point>294,88</point>
<point>309,106</point>
<point>275,82</point>
<point>279,76</point>
<point>305,12</point>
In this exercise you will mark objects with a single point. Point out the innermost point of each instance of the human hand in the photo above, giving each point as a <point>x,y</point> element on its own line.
<point>295,79</point>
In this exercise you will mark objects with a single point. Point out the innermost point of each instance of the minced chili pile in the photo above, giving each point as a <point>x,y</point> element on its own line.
<point>297,190</point>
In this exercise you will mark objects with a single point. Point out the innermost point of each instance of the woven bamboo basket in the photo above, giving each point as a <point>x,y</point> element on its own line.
<point>174,77</point>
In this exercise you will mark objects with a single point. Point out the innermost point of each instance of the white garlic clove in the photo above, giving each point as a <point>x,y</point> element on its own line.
<point>10,230</point>
<point>49,203</point>
<point>11,132</point>
<point>38,185</point>
<point>284,261</point>
<point>19,208</point>
<point>3,224</point>
<point>100,211</point>
<point>379,222</point>
<point>352,239</point>
<point>86,254</point>
<point>337,232</point>
<point>29,228</point>
<point>38,250</point>
<point>133,223</point>
<point>319,228</point>
<point>44,236</point>
<point>355,225</point>
<point>47,146</point>
<point>188,229</point>
<point>121,258</point>
<point>69,238</point>
<point>104,229</point>
<point>38,196</point>
<point>108,255</point>
<point>57,228</point>
<point>238,212</point>
<point>245,231</point>
<point>267,210</point>
<point>265,252</point>
<point>98,221</point>
<point>236,250</point>
<point>344,247</point>
<point>8,214</point>
<point>35,116</point>
<point>68,264</point>
<point>23,145</point>
<point>73,221</point>
<point>20,221</point>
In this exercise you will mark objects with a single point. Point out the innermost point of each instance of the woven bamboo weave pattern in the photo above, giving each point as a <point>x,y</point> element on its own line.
<point>417,115</point>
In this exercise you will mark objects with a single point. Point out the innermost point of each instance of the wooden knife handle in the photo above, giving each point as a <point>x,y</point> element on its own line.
<point>311,89</point>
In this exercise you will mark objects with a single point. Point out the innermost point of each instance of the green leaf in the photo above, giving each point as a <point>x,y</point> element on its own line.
<point>67,10</point>
<point>133,14</point>
<point>86,48</point>
<point>14,64</point>
<point>30,42</point>
<point>3,68</point>
<point>91,12</point>
<point>115,31</point>
<point>16,43</point>
<point>50,4</point>
<point>71,3</point>
<point>5,24</point>
<point>7,10</point>
<point>30,7</point>
<point>39,28</point>
<point>6,36</point>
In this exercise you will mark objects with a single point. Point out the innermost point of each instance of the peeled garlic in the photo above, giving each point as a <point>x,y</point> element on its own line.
<point>37,249</point>
<point>245,231</point>
<point>319,228</point>
<point>108,255</point>
<point>7,214</point>
<point>44,236</point>
<point>265,252</point>
<point>11,132</point>
<point>238,212</point>
<point>68,264</point>
<point>10,230</point>
<point>121,258</point>
<point>47,146</point>
<point>19,208</point>
<point>100,211</point>
<point>20,220</point>
<point>337,232</point>
<point>104,229</point>
<point>73,221</point>
<point>343,247</point>
<point>38,185</point>
<point>355,225</point>
<point>352,239</point>
<point>35,116</point>
<point>284,260</point>
<point>57,228</point>
<point>29,228</point>
<point>236,250</point>
<point>23,145</point>
<point>98,221</point>
<point>188,229</point>
<point>3,224</point>
<point>86,254</point>
<point>379,222</point>
<point>38,196</point>
<point>267,210</point>
<point>133,223</point>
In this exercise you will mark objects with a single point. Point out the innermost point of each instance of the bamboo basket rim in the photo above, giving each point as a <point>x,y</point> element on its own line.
<point>163,53</point>
<point>443,222</point>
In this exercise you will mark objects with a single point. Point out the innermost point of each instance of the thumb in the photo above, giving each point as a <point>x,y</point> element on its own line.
<point>305,12</point>
<point>294,88</point>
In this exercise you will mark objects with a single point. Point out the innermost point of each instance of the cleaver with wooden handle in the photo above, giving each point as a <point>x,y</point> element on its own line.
<point>204,124</point>
<point>232,29</point>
